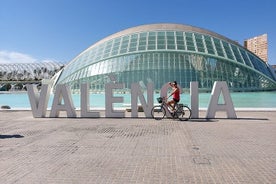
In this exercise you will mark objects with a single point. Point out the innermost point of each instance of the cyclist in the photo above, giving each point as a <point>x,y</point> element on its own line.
<point>175,95</point>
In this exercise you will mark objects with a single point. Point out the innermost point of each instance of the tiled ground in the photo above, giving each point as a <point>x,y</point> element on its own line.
<point>106,150</point>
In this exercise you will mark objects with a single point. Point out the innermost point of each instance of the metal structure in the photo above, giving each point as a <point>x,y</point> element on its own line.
<point>14,76</point>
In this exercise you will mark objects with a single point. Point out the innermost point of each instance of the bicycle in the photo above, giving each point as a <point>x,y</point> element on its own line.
<point>182,112</point>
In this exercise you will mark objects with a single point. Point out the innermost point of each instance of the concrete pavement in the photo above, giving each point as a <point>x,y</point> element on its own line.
<point>110,150</point>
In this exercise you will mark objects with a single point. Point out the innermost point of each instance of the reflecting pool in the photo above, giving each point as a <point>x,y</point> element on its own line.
<point>240,100</point>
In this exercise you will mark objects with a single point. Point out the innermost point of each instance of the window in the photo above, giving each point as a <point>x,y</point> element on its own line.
<point>116,46</point>
<point>170,40</point>
<point>209,45</point>
<point>124,45</point>
<point>218,47</point>
<point>180,41</point>
<point>152,41</point>
<point>199,43</point>
<point>107,48</point>
<point>190,42</point>
<point>227,50</point>
<point>237,54</point>
<point>133,43</point>
<point>142,41</point>
<point>161,42</point>
<point>245,58</point>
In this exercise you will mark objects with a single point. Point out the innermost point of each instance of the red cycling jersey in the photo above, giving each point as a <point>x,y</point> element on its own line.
<point>176,95</point>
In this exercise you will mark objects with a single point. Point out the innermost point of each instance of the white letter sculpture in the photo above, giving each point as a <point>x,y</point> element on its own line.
<point>135,93</point>
<point>218,88</point>
<point>110,99</point>
<point>85,103</point>
<point>63,92</point>
<point>39,102</point>
<point>194,99</point>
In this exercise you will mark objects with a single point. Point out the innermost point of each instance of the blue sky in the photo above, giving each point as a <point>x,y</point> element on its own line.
<point>41,30</point>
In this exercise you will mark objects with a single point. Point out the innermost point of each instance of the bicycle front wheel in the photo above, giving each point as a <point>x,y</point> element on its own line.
<point>186,114</point>
<point>158,112</point>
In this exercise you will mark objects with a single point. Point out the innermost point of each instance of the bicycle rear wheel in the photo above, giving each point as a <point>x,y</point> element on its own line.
<point>186,113</point>
<point>158,112</point>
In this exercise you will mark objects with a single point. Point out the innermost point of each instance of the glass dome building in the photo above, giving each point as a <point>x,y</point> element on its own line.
<point>160,53</point>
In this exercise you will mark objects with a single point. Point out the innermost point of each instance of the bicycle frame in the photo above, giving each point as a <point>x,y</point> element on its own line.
<point>166,107</point>
<point>181,111</point>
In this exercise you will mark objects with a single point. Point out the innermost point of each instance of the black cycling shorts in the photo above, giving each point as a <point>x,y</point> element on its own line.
<point>176,100</point>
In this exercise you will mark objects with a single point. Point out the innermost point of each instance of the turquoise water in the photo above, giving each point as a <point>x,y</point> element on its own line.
<point>240,100</point>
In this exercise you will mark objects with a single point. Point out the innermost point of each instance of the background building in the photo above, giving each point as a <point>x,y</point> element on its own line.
<point>258,45</point>
<point>160,53</point>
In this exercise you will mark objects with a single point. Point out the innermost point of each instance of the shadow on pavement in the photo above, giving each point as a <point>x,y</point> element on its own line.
<point>203,120</point>
<point>217,119</point>
<point>11,136</point>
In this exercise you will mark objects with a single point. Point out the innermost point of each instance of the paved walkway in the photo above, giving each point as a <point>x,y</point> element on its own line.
<point>62,150</point>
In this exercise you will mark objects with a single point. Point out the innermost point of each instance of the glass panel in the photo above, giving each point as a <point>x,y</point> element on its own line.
<point>190,42</point>
<point>152,41</point>
<point>170,40</point>
<point>237,54</point>
<point>107,48</point>
<point>100,52</point>
<point>199,43</point>
<point>161,42</point>
<point>254,62</point>
<point>180,41</point>
<point>209,45</point>
<point>259,65</point>
<point>91,57</point>
<point>116,46</point>
<point>142,41</point>
<point>245,58</point>
<point>124,45</point>
<point>133,43</point>
<point>218,47</point>
<point>227,50</point>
